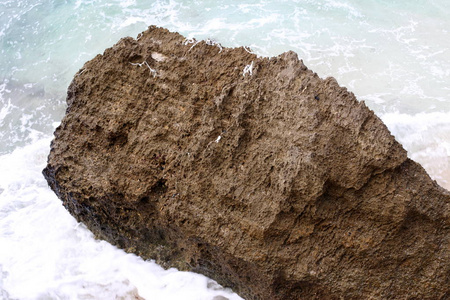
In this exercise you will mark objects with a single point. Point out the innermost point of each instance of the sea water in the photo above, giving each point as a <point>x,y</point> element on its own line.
<point>394,55</point>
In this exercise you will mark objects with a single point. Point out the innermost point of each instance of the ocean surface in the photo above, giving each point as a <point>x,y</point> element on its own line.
<point>394,55</point>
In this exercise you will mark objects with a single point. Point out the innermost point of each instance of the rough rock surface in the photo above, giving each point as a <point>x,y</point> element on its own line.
<point>253,171</point>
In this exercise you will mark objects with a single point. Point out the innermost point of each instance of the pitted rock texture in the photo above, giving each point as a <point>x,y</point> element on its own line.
<point>251,170</point>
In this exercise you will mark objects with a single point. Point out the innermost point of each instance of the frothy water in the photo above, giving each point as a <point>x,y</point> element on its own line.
<point>394,55</point>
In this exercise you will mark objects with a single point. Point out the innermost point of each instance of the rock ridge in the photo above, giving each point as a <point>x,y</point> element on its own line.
<point>251,170</point>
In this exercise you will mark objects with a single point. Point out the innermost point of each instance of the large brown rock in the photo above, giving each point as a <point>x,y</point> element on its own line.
<point>253,171</point>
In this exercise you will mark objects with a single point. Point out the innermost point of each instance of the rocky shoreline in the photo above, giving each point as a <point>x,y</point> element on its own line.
<point>251,170</point>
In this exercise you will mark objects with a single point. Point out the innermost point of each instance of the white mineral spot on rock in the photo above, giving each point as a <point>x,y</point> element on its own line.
<point>158,57</point>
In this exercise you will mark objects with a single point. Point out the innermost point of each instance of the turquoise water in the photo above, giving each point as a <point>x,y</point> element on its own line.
<point>394,55</point>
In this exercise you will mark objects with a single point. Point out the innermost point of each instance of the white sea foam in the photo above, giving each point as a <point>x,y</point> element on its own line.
<point>426,136</point>
<point>5,110</point>
<point>46,254</point>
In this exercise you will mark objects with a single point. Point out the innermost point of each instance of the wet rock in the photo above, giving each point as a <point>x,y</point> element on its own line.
<point>251,170</point>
